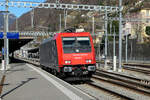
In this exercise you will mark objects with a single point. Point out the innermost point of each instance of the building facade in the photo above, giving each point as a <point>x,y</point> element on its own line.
<point>138,23</point>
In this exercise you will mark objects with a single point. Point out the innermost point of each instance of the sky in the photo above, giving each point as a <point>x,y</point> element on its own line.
<point>19,11</point>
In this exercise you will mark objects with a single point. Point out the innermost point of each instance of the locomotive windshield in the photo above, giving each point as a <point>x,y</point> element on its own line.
<point>83,41</point>
<point>76,44</point>
<point>68,42</point>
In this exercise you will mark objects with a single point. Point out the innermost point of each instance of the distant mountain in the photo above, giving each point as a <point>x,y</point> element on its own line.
<point>48,19</point>
<point>12,18</point>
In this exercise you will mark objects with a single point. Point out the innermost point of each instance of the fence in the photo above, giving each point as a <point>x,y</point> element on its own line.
<point>139,53</point>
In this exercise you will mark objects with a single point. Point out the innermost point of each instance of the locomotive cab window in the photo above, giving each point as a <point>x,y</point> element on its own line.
<point>83,41</point>
<point>76,44</point>
<point>69,41</point>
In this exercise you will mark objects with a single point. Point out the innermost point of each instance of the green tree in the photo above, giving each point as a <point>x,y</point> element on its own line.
<point>101,2</point>
<point>49,28</point>
<point>147,30</point>
<point>115,24</point>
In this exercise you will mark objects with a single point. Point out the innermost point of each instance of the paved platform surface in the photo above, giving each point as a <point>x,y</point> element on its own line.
<point>27,82</point>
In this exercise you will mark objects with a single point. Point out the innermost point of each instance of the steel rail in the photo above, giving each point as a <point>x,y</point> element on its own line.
<point>109,91</point>
<point>124,76</point>
<point>139,65</point>
<point>137,70</point>
<point>123,84</point>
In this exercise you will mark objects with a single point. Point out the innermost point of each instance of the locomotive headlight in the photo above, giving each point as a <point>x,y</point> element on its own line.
<point>67,62</point>
<point>88,61</point>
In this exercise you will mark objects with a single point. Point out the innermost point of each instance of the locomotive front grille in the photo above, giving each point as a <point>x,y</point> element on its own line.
<point>78,72</point>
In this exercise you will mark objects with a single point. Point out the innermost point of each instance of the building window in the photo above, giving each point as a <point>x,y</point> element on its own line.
<point>148,20</point>
<point>147,13</point>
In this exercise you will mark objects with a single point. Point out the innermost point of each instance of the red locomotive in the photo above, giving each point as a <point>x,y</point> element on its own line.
<point>70,56</point>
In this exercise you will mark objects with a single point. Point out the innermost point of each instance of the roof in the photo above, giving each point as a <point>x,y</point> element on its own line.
<point>146,4</point>
<point>143,5</point>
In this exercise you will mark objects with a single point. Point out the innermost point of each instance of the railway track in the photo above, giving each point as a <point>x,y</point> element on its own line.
<point>109,91</point>
<point>123,83</point>
<point>139,65</point>
<point>145,69</point>
<point>143,82</point>
<point>142,68</point>
<point>134,84</point>
<point>136,69</point>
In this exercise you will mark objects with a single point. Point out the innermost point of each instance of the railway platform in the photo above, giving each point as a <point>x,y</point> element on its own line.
<point>27,82</point>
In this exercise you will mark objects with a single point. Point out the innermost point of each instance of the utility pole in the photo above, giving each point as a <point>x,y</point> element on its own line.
<point>65,17</point>
<point>17,25</point>
<point>60,23</point>
<point>32,18</point>
<point>6,41</point>
<point>127,46</point>
<point>106,38</point>
<point>93,23</point>
<point>114,51</point>
<point>6,55</point>
<point>120,35</point>
<point>57,1</point>
<point>110,27</point>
